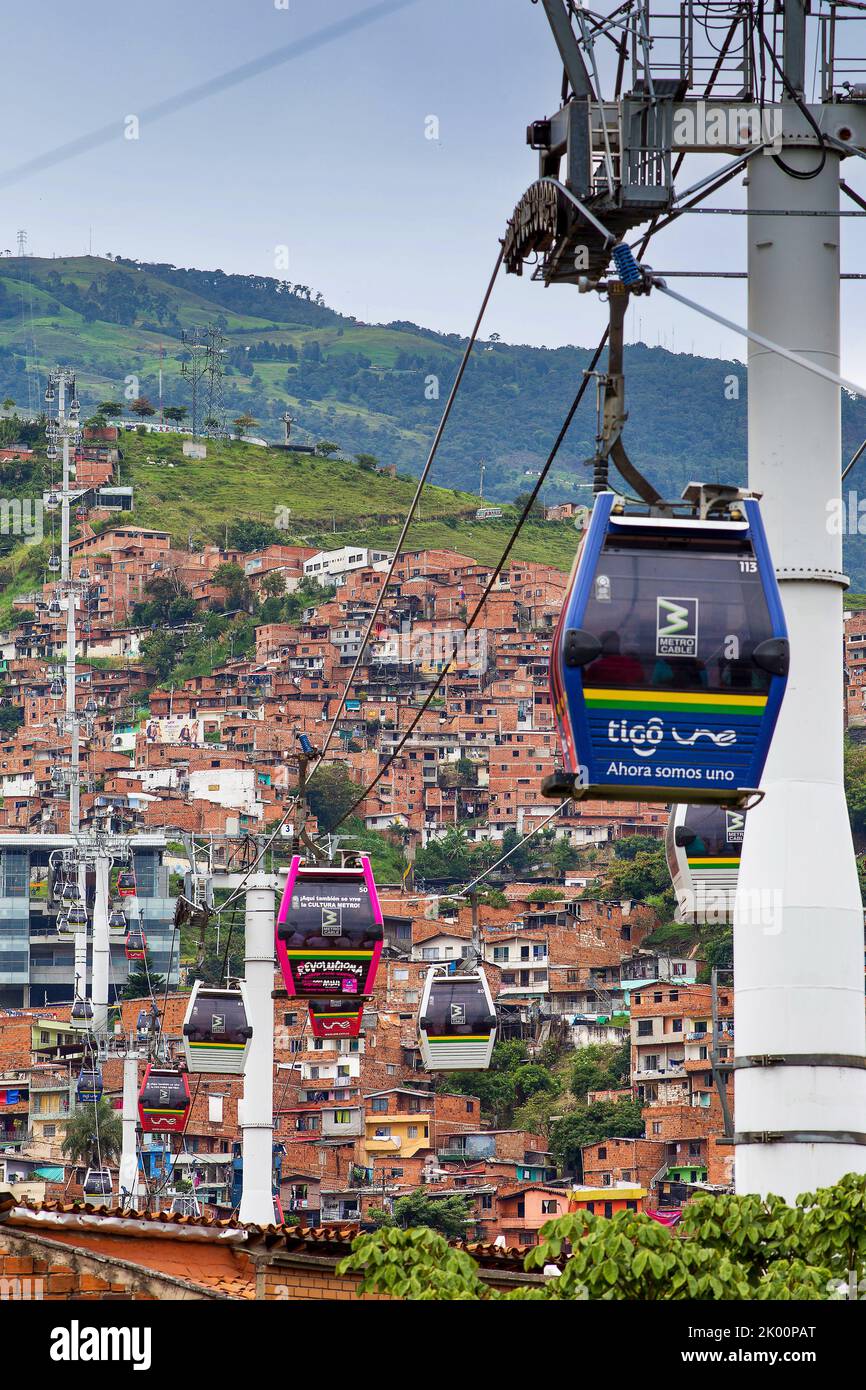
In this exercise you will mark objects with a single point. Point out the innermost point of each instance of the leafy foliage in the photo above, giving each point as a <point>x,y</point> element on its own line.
<point>510,1081</point>
<point>93,1131</point>
<point>603,1119</point>
<point>331,793</point>
<point>447,1215</point>
<point>600,1067</point>
<point>727,1248</point>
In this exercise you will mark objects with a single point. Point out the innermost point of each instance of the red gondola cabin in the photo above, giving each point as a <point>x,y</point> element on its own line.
<point>164,1100</point>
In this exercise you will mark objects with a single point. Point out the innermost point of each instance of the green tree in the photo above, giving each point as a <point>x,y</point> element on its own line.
<point>631,845</point>
<point>326,448</point>
<point>536,511</point>
<point>176,413</point>
<point>563,855</point>
<point>273,585</point>
<point>589,1125</point>
<point>331,793</point>
<point>508,1083</point>
<point>142,984</point>
<point>855,784</point>
<point>161,651</point>
<point>368,461</point>
<point>599,1067</point>
<point>243,424</point>
<point>231,577</point>
<point>727,1248</point>
<point>93,1129</point>
<point>247,534</point>
<point>111,409</point>
<point>11,718</point>
<point>448,1215</point>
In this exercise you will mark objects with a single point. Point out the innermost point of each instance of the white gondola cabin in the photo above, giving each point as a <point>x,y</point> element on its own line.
<point>703,845</point>
<point>457,1021</point>
<point>217,1031</point>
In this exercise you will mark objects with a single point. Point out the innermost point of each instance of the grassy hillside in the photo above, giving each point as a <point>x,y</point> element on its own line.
<point>370,388</point>
<point>329,502</point>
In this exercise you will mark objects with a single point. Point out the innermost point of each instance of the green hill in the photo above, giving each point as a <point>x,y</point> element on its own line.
<point>307,499</point>
<point>371,388</point>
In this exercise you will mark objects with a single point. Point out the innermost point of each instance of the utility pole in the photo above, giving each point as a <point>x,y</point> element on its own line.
<point>66,429</point>
<point>101,947</point>
<point>800,1064</point>
<point>801,1121</point>
<point>257,1107</point>
<point>128,1172</point>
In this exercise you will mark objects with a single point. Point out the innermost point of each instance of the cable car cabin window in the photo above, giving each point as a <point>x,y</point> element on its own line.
<point>224,1020</point>
<point>718,833</point>
<point>682,621</point>
<point>456,1008</point>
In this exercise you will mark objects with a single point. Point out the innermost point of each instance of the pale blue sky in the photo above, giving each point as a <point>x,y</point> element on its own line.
<point>327,155</point>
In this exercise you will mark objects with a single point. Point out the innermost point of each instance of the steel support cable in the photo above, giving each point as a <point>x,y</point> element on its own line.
<point>802,175</point>
<point>434,447</point>
<point>410,515</point>
<point>469,886</point>
<point>767,343</point>
<point>468,626</point>
<point>510,544</point>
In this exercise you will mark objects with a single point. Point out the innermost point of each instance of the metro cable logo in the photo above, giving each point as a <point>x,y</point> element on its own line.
<point>735,822</point>
<point>676,626</point>
<point>332,921</point>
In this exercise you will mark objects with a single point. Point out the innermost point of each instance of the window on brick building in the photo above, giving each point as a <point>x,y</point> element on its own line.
<point>677,1025</point>
<point>605,1180</point>
<point>674,995</point>
<point>637,998</point>
<point>657,1126</point>
<point>486,1201</point>
<point>602,1153</point>
<point>644,1027</point>
<point>548,1206</point>
<point>380,1103</point>
<point>470,1106</point>
<point>657,997</point>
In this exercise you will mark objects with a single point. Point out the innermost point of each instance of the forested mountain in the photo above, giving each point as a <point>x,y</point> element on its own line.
<point>375,389</point>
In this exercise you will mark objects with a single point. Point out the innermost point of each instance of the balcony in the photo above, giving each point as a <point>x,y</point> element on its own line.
<point>15,1134</point>
<point>337,1213</point>
<point>673,1071</point>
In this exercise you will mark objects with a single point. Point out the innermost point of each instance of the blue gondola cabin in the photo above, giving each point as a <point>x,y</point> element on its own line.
<point>670,658</point>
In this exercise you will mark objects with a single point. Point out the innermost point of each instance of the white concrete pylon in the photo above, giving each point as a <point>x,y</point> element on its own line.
<point>256,1110</point>
<point>128,1176</point>
<point>798,927</point>
<point>101,947</point>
